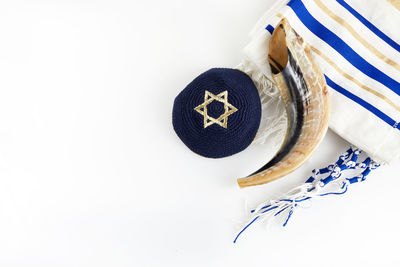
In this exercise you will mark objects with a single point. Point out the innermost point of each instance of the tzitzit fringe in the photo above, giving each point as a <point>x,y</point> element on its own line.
<point>331,180</point>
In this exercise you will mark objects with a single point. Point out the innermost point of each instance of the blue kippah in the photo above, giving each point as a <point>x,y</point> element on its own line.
<point>218,114</point>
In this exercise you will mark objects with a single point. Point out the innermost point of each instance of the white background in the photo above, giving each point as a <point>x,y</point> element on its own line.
<point>92,173</point>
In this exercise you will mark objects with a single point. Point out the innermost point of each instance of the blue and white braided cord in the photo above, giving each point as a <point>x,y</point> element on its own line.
<point>321,183</point>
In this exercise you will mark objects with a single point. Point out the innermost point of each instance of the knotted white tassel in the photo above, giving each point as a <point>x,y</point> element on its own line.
<point>323,182</point>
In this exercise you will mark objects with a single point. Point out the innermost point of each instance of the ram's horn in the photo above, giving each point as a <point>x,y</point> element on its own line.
<point>303,89</point>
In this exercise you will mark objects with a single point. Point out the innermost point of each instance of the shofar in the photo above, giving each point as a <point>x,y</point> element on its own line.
<point>304,91</point>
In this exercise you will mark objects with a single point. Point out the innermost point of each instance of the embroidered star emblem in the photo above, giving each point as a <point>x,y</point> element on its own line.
<point>221,120</point>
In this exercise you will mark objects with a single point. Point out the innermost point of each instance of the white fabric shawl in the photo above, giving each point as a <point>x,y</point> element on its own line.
<point>357,45</point>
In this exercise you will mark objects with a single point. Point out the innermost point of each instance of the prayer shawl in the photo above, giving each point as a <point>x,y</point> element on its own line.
<point>357,46</point>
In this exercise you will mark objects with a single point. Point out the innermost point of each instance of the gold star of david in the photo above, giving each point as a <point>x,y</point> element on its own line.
<point>208,99</point>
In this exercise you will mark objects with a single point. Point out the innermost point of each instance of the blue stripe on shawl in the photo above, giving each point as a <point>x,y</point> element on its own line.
<point>340,46</point>
<point>369,25</point>
<point>362,102</point>
<point>270,29</point>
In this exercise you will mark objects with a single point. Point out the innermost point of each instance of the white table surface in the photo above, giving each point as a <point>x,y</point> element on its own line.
<point>92,174</point>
